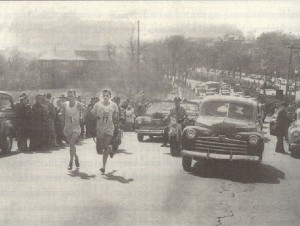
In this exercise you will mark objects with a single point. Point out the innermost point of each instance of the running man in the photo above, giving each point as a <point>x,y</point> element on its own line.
<point>107,114</point>
<point>72,111</point>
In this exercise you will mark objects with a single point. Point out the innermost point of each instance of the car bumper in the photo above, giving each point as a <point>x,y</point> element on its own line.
<point>150,132</point>
<point>295,146</point>
<point>230,157</point>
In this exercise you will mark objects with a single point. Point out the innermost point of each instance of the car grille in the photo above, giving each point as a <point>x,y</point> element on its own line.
<point>221,145</point>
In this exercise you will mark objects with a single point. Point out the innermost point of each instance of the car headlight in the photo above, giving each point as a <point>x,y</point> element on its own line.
<point>295,133</point>
<point>253,139</point>
<point>191,133</point>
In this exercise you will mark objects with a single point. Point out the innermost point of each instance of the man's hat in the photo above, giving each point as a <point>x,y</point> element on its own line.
<point>177,99</point>
<point>22,96</point>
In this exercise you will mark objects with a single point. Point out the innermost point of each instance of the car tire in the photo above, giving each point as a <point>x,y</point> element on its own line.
<point>292,151</point>
<point>140,137</point>
<point>187,163</point>
<point>6,144</point>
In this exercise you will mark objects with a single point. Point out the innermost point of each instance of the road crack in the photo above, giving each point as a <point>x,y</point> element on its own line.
<point>226,216</point>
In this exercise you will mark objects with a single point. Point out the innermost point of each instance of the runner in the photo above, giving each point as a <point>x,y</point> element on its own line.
<point>106,113</point>
<point>72,111</point>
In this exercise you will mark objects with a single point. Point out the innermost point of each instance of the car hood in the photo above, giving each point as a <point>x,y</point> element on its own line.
<point>225,125</point>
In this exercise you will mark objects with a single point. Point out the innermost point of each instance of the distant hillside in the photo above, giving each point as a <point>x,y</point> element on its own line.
<point>45,31</point>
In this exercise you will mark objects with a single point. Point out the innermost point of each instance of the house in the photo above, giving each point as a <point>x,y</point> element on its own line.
<point>60,67</point>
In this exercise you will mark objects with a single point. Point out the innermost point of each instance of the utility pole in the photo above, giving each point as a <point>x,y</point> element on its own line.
<point>138,49</point>
<point>291,47</point>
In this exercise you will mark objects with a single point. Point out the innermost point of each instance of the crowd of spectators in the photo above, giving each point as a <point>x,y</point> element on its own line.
<point>41,124</point>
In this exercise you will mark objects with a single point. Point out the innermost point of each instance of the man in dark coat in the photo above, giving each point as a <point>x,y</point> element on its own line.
<point>23,112</point>
<point>282,122</point>
<point>49,123</point>
<point>38,118</point>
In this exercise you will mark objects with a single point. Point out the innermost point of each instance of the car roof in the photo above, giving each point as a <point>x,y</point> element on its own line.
<point>212,82</point>
<point>5,93</point>
<point>233,99</point>
<point>184,101</point>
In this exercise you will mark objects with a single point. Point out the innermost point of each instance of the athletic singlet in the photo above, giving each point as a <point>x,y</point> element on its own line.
<point>72,118</point>
<point>105,123</point>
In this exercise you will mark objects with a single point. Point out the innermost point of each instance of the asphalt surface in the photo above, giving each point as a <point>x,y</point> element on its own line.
<point>145,185</point>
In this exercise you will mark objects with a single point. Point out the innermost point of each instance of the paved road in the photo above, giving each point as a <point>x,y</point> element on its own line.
<point>144,185</point>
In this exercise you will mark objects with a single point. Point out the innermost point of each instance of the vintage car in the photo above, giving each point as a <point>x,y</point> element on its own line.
<point>294,136</point>
<point>225,92</point>
<point>153,123</point>
<point>7,120</point>
<point>227,128</point>
<point>211,91</point>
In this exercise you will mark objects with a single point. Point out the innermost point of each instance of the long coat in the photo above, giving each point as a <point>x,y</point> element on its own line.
<point>282,122</point>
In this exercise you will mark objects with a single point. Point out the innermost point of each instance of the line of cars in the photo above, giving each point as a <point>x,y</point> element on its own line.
<point>224,127</point>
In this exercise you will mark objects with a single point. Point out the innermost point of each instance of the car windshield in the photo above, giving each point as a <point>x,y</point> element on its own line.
<point>189,107</point>
<point>5,104</point>
<point>159,107</point>
<point>226,109</point>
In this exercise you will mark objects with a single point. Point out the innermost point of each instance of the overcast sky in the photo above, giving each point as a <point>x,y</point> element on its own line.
<point>158,19</point>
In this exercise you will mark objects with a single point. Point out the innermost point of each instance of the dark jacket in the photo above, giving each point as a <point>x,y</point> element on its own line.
<point>38,117</point>
<point>23,116</point>
<point>282,122</point>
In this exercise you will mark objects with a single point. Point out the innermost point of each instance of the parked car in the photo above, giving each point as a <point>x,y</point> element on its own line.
<point>153,122</point>
<point>7,121</point>
<point>225,92</point>
<point>294,136</point>
<point>227,128</point>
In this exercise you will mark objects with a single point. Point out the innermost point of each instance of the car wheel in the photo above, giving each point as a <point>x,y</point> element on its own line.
<point>6,144</point>
<point>140,137</point>
<point>187,163</point>
<point>292,151</point>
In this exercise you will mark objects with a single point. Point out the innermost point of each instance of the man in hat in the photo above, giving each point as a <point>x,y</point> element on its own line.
<point>38,118</point>
<point>282,123</point>
<point>22,112</point>
<point>179,113</point>
<point>50,129</point>
<point>90,119</point>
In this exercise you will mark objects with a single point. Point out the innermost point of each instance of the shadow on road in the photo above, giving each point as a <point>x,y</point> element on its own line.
<point>2,155</point>
<point>243,172</point>
<point>111,176</point>
<point>123,151</point>
<point>154,140</point>
<point>82,175</point>
<point>175,156</point>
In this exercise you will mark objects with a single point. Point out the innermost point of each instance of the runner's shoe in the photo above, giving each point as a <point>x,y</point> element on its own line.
<point>102,170</point>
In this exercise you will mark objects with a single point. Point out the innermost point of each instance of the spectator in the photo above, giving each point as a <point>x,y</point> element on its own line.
<point>23,112</point>
<point>281,126</point>
<point>38,118</point>
<point>50,130</point>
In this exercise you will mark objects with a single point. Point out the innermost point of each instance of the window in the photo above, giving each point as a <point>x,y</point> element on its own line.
<point>5,104</point>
